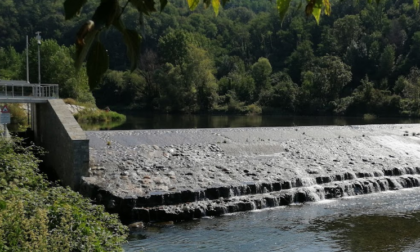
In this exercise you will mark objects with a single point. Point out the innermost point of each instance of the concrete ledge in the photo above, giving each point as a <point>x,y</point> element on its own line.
<point>66,143</point>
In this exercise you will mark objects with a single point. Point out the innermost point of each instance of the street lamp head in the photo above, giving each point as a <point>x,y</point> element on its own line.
<point>38,37</point>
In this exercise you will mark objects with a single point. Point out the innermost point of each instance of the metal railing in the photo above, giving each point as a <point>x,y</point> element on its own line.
<point>36,91</point>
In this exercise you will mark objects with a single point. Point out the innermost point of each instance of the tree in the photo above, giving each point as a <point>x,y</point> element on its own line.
<point>386,62</point>
<point>300,59</point>
<point>10,63</point>
<point>260,72</point>
<point>324,81</point>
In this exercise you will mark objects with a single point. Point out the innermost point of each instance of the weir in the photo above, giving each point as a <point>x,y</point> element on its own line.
<point>161,175</point>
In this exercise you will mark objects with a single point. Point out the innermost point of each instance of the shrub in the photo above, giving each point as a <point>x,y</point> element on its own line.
<point>369,117</point>
<point>38,216</point>
<point>70,101</point>
<point>97,115</point>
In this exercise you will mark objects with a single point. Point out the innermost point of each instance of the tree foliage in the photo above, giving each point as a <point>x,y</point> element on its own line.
<point>357,40</point>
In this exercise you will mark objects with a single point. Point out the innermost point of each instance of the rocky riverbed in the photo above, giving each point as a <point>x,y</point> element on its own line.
<point>162,175</point>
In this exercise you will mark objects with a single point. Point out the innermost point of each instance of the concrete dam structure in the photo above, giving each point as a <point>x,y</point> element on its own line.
<point>163,175</point>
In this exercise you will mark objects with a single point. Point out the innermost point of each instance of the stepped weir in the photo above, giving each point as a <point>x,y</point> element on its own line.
<point>162,175</point>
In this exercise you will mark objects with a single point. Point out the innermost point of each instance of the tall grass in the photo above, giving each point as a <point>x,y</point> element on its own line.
<point>99,116</point>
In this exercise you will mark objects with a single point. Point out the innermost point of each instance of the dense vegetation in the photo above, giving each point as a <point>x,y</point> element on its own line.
<point>38,216</point>
<point>361,59</point>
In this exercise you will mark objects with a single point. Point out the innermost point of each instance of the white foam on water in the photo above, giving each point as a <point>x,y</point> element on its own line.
<point>324,201</point>
<point>268,209</point>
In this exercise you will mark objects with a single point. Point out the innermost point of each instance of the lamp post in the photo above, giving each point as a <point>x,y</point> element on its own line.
<point>38,38</point>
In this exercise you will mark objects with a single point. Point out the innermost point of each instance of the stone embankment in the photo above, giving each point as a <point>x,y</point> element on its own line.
<point>175,175</point>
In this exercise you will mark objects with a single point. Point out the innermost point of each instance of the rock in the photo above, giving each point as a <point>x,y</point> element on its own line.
<point>136,225</point>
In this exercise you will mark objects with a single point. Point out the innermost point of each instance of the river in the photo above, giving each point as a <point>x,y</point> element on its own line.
<point>230,121</point>
<point>388,221</point>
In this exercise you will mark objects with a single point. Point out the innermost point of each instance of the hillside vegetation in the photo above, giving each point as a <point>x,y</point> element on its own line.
<point>362,59</point>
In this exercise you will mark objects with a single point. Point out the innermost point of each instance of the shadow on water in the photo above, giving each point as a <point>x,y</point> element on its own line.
<point>231,121</point>
<point>373,232</point>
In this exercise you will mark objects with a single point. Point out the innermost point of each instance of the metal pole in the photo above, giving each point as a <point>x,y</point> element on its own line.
<point>27,60</point>
<point>39,65</point>
<point>38,37</point>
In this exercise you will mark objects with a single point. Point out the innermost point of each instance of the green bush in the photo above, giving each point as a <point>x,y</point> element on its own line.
<point>38,216</point>
<point>97,115</point>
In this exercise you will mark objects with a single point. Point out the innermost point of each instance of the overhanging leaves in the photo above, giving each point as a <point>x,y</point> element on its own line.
<point>73,7</point>
<point>416,4</point>
<point>145,6</point>
<point>105,14</point>
<point>316,11</point>
<point>133,42</point>
<point>85,39</point>
<point>97,64</point>
<point>309,7</point>
<point>163,3</point>
<point>282,7</point>
<point>192,4</point>
<point>216,5</point>
<point>327,7</point>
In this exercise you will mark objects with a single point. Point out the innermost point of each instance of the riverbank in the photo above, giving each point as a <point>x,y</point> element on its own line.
<point>159,175</point>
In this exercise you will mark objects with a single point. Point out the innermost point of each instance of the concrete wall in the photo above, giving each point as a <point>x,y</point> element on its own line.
<point>66,143</point>
<point>4,132</point>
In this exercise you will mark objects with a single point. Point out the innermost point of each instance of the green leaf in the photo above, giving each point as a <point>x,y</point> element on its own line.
<point>97,64</point>
<point>282,7</point>
<point>316,11</point>
<point>163,3</point>
<point>73,7</point>
<point>216,5</point>
<point>207,3</point>
<point>133,42</point>
<point>119,25</point>
<point>416,4</point>
<point>105,14</point>
<point>144,6</point>
<point>83,46</point>
<point>309,7</point>
<point>3,205</point>
<point>327,7</point>
<point>192,4</point>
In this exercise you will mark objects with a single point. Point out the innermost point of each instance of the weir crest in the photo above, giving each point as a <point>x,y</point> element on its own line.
<point>163,175</point>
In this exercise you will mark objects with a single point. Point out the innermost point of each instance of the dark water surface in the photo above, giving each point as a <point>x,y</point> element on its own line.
<point>388,221</point>
<point>228,121</point>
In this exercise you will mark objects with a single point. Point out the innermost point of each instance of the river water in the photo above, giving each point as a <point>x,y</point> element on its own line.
<point>388,221</point>
<point>230,121</point>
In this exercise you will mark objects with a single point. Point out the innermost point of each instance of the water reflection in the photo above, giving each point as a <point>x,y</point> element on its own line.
<point>373,232</point>
<point>229,121</point>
